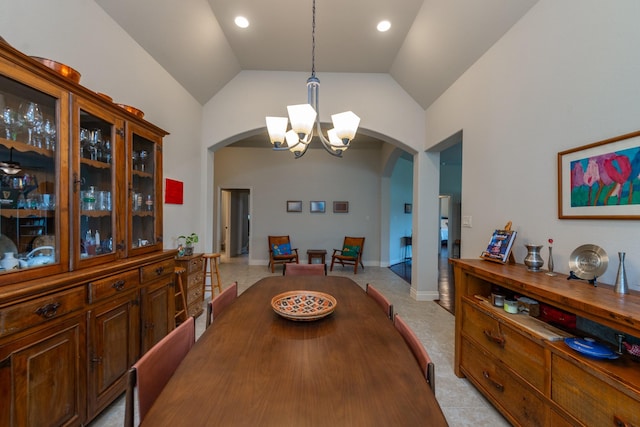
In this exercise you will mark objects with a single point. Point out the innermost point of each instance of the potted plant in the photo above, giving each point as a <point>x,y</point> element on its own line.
<point>189,241</point>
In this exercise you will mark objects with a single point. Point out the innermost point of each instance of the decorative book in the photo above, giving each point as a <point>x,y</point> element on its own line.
<point>499,249</point>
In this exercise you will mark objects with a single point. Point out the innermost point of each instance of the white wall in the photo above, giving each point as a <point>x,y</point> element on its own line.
<point>564,76</point>
<point>275,177</point>
<point>79,33</point>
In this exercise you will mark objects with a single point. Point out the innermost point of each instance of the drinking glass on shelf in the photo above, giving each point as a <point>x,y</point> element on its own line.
<point>94,142</point>
<point>135,156</point>
<point>144,156</point>
<point>10,122</point>
<point>49,134</point>
<point>31,117</point>
<point>85,137</point>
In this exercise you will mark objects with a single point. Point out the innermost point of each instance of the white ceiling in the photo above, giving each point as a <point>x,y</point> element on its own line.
<point>430,43</point>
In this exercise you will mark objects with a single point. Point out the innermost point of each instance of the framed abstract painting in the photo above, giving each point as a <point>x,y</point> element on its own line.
<point>600,180</point>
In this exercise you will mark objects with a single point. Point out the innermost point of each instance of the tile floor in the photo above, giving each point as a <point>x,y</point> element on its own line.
<point>461,403</point>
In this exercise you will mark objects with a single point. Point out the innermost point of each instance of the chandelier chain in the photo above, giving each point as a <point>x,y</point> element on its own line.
<point>313,40</point>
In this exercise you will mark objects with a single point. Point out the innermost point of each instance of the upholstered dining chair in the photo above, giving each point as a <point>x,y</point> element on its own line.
<point>304,270</point>
<point>281,252</point>
<point>382,301</point>
<point>153,370</point>
<point>222,301</point>
<point>350,254</point>
<point>418,350</point>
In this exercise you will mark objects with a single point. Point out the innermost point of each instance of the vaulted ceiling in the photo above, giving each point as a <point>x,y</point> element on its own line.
<point>430,43</point>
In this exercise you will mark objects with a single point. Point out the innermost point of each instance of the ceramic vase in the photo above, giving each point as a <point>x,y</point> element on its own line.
<point>621,279</point>
<point>9,262</point>
<point>533,260</point>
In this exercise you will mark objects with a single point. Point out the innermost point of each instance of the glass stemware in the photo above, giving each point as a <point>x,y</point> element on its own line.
<point>135,156</point>
<point>31,117</point>
<point>85,136</point>
<point>49,134</point>
<point>11,123</point>
<point>94,142</point>
<point>144,155</point>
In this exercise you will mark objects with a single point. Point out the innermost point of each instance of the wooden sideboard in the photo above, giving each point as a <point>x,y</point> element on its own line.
<point>523,366</point>
<point>193,281</point>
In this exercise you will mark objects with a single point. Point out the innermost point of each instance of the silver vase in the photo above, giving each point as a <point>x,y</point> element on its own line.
<point>533,260</point>
<point>621,279</point>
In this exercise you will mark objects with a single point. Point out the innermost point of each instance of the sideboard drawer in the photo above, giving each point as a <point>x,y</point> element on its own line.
<point>30,313</point>
<point>523,355</point>
<point>589,399</point>
<point>154,271</point>
<point>112,285</point>
<point>501,385</point>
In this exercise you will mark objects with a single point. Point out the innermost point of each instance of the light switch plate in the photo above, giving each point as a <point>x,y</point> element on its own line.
<point>466,221</point>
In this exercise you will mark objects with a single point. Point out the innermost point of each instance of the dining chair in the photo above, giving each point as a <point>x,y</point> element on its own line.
<point>382,301</point>
<point>281,252</point>
<point>304,270</point>
<point>153,370</point>
<point>418,350</point>
<point>350,254</point>
<point>219,303</point>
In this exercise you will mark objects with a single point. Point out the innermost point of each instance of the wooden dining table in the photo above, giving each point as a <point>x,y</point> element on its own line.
<point>252,367</point>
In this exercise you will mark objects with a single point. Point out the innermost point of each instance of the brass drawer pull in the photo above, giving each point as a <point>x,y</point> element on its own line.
<point>496,384</point>
<point>119,285</point>
<point>494,338</point>
<point>49,310</point>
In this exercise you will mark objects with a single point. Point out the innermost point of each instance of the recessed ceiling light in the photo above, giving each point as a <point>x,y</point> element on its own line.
<point>241,22</point>
<point>383,26</point>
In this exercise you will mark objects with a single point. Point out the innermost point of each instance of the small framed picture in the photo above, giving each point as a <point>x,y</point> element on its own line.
<point>407,208</point>
<point>317,206</point>
<point>294,205</point>
<point>340,207</point>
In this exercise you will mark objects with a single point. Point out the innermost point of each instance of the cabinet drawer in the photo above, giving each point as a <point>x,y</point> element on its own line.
<point>112,285</point>
<point>159,269</point>
<point>196,279</point>
<point>34,312</point>
<point>195,265</point>
<point>516,399</point>
<point>195,309</point>
<point>194,294</point>
<point>523,355</point>
<point>589,399</point>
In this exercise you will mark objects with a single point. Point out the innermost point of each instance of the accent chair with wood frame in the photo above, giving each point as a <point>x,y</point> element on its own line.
<point>350,254</point>
<point>281,252</point>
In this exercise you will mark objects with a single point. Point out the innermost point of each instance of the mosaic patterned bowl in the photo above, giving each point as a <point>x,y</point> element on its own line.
<point>303,305</point>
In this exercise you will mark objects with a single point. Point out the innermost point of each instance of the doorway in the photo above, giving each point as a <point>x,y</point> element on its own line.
<point>235,222</point>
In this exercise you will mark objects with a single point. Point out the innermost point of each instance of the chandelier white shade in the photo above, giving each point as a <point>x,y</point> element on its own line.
<point>304,117</point>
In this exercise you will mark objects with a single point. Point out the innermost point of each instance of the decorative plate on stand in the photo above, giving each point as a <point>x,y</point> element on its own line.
<point>588,262</point>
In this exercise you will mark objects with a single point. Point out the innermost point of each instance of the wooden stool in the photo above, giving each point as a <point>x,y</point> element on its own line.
<point>181,298</point>
<point>212,260</point>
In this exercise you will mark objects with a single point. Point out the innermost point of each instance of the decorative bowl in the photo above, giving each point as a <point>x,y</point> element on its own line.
<point>303,305</point>
<point>62,69</point>
<point>132,110</point>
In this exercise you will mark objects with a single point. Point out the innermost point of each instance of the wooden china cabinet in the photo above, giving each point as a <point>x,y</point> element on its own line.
<point>85,285</point>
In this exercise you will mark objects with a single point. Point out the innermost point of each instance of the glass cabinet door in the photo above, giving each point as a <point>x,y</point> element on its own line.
<point>145,174</point>
<point>32,139</point>
<point>97,134</point>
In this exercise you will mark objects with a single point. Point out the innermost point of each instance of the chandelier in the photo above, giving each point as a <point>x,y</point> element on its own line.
<point>303,117</point>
